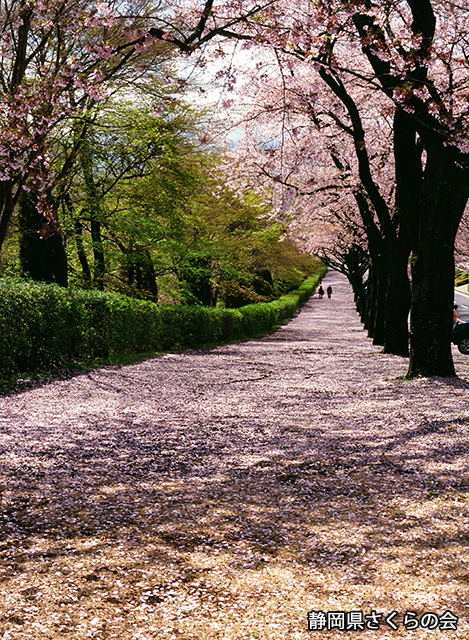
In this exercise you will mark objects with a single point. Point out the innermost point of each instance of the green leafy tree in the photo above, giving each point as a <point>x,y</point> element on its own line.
<point>146,205</point>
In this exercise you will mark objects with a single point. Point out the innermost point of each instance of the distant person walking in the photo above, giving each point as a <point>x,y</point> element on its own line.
<point>321,292</point>
<point>455,315</point>
<point>329,291</point>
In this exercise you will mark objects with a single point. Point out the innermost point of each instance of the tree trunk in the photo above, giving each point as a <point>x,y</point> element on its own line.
<point>375,304</point>
<point>432,302</point>
<point>148,276</point>
<point>397,302</point>
<point>357,263</point>
<point>98,252</point>
<point>408,171</point>
<point>378,333</point>
<point>81,252</point>
<point>42,252</point>
<point>93,206</point>
<point>368,301</point>
<point>356,281</point>
<point>7,204</point>
<point>444,195</point>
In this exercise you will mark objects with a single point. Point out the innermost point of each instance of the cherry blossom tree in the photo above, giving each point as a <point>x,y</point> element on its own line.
<point>302,141</point>
<point>419,58</point>
<point>417,55</point>
<point>56,57</point>
<point>59,58</point>
<point>411,58</point>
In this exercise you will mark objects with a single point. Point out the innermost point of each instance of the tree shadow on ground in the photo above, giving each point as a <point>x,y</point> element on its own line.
<point>130,495</point>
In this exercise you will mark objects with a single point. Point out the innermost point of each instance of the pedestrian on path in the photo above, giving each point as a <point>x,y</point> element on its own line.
<point>329,291</point>
<point>321,292</point>
<point>455,315</point>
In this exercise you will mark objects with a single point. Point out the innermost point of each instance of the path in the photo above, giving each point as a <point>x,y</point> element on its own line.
<point>223,493</point>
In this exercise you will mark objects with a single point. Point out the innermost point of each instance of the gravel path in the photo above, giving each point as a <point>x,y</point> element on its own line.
<point>224,493</point>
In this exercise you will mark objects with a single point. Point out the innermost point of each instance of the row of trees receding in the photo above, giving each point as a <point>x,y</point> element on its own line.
<point>370,103</point>
<point>360,112</point>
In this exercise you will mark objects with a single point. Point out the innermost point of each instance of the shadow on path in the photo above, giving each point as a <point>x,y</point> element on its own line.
<point>292,472</point>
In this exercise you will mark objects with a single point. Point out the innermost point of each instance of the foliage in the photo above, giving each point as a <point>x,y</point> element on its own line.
<point>40,325</point>
<point>57,59</point>
<point>43,325</point>
<point>460,277</point>
<point>148,212</point>
<point>384,83</point>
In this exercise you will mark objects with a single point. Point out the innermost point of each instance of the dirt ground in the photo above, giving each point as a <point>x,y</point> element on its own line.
<point>225,493</point>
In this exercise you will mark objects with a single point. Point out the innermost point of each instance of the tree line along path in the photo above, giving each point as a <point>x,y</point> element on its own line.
<point>227,492</point>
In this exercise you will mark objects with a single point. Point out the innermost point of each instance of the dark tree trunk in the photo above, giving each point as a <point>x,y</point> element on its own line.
<point>81,252</point>
<point>388,300</point>
<point>444,194</point>
<point>377,327</point>
<point>432,301</point>
<point>98,253</point>
<point>148,276</point>
<point>93,207</point>
<point>42,252</point>
<point>369,304</point>
<point>408,170</point>
<point>375,305</point>
<point>359,296</point>
<point>138,269</point>
<point>357,262</point>
<point>397,302</point>
<point>7,204</point>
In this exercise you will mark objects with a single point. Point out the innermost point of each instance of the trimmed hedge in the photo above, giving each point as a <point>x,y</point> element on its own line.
<point>460,277</point>
<point>44,325</point>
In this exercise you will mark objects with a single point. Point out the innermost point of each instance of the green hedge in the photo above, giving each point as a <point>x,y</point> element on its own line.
<point>43,325</point>
<point>460,277</point>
